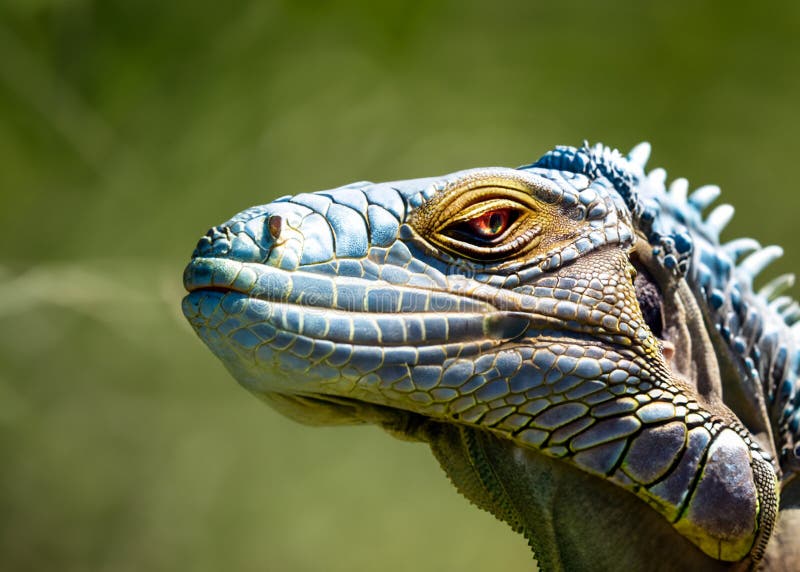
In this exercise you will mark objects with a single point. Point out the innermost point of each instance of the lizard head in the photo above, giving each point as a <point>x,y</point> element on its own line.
<point>543,305</point>
<point>358,292</point>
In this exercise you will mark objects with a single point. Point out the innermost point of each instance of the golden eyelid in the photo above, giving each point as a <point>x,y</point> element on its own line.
<point>488,220</point>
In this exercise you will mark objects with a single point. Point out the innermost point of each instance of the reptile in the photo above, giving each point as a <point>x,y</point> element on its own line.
<point>585,358</point>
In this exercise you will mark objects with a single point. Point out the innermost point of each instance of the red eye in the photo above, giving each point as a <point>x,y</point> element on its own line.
<point>490,224</point>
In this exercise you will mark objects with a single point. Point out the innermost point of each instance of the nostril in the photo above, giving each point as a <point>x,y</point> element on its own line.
<point>275,226</point>
<point>219,232</point>
<point>249,236</point>
<point>216,242</point>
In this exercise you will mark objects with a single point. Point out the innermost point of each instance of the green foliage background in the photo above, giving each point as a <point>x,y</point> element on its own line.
<point>127,128</point>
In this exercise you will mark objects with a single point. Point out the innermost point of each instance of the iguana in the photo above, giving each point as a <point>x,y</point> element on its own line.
<point>584,357</point>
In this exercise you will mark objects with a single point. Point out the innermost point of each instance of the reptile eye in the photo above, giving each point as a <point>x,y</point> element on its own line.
<point>490,225</point>
<point>485,228</point>
<point>485,218</point>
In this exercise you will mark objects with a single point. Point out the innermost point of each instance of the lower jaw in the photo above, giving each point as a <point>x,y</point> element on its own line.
<point>324,410</point>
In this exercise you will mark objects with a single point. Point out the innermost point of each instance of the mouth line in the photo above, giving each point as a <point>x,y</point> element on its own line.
<point>363,328</point>
<point>363,311</point>
<point>323,290</point>
<point>416,336</point>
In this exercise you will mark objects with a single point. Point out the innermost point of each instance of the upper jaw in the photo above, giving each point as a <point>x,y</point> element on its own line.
<point>306,287</point>
<point>351,310</point>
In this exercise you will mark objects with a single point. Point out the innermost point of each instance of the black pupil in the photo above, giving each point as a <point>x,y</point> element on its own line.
<point>495,223</point>
<point>485,228</point>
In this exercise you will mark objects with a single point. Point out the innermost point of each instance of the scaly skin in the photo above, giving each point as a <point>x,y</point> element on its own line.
<point>566,325</point>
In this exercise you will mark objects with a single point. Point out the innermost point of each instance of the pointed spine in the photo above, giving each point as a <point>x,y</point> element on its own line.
<point>777,286</point>
<point>719,219</point>
<point>640,154</point>
<point>760,259</point>
<point>679,191</point>
<point>704,196</point>
<point>740,246</point>
<point>780,304</point>
<point>657,177</point>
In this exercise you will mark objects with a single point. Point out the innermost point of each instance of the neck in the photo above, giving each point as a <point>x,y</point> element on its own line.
<point>572,520</point>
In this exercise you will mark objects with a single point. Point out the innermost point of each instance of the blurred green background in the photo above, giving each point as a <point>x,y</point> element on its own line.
<point>127,128</point>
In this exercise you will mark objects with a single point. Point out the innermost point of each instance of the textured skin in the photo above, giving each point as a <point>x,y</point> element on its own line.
<point>604,333</point>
